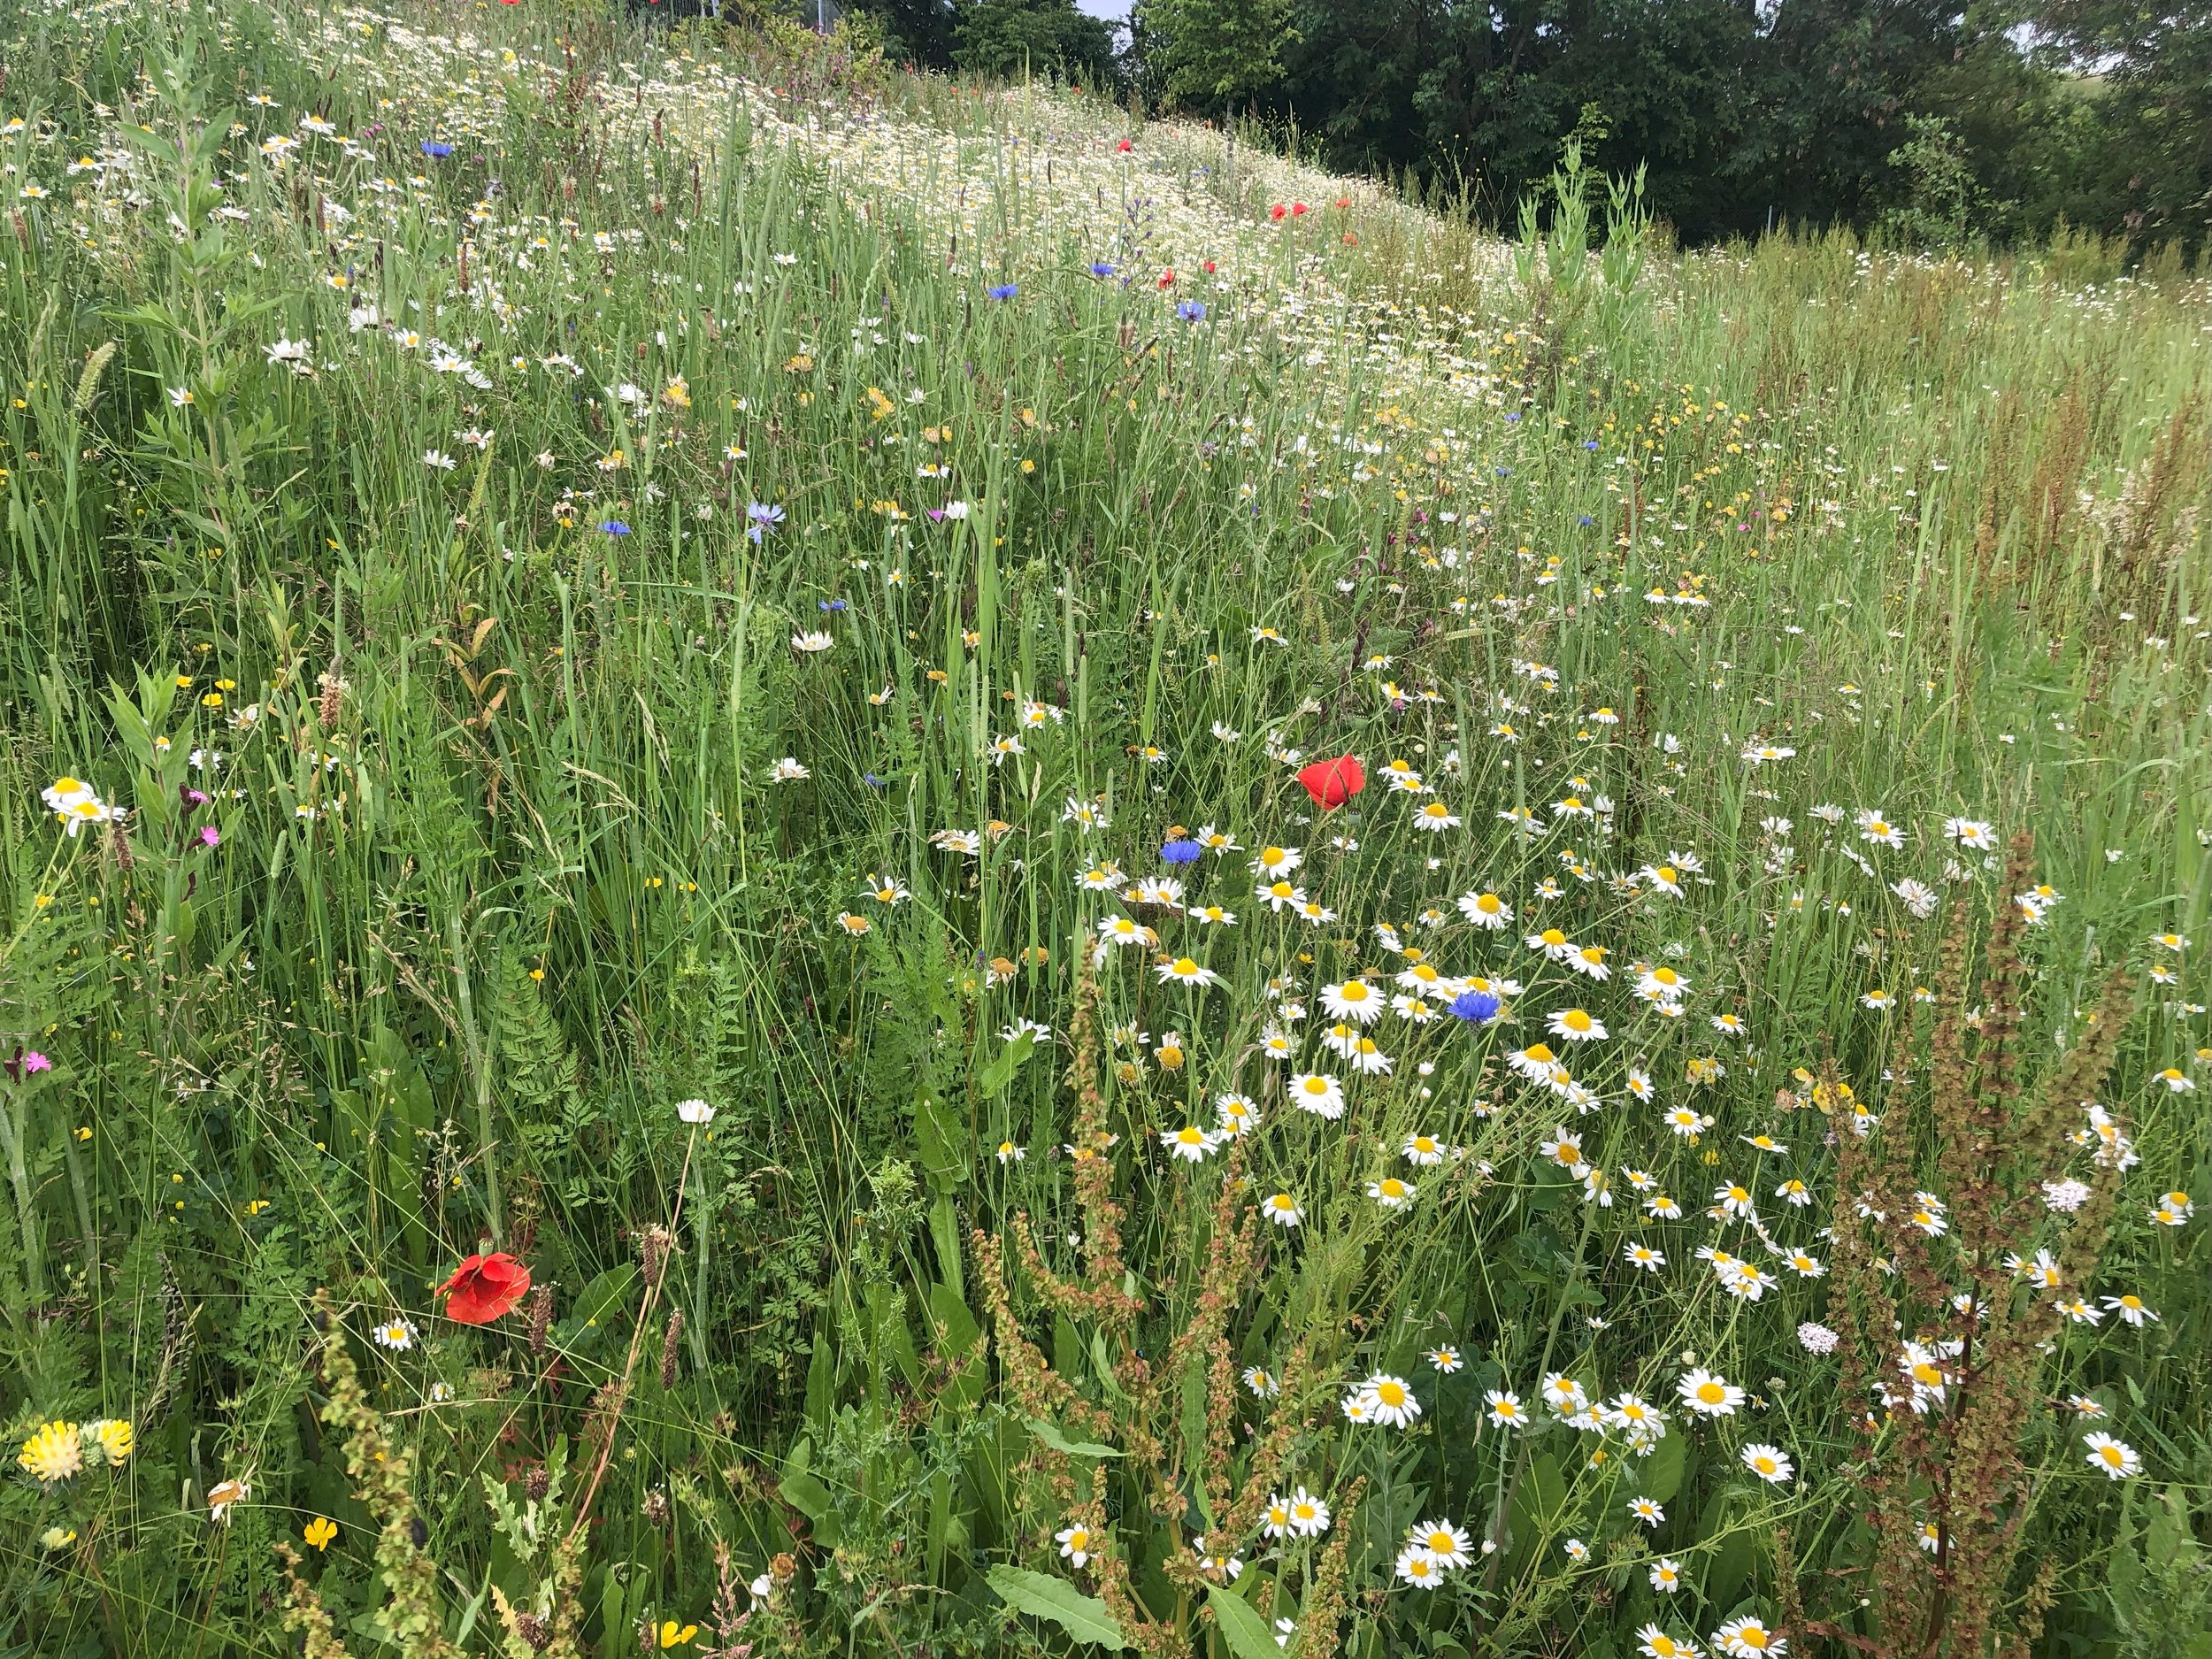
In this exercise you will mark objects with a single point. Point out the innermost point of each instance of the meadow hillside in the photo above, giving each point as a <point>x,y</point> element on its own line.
<point>800,862</point>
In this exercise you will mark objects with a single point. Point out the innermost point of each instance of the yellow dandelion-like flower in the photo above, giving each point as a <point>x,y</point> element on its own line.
<point>55,1453</point>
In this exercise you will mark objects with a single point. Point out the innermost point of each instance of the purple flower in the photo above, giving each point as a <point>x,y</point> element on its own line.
<point>1180,852</point>
<point>36,1062</point>
<point>1101,267</point>
<point>764,517</point>
<point>1478,1007</point>
<point>615,526</point>
<point>1191,312</point>
<point>435,150</point>
<point>1003,291</point>
<point>210,836</point>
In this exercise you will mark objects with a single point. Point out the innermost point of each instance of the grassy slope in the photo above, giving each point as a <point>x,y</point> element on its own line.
<point>503,873</point>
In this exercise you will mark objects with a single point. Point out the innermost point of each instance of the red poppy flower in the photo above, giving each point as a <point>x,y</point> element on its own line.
<point>1125,147</point>
<point>1277,211</point>
<point>483,1287</point>
<point>1298,210</point>
<point>1207,267</point>
<point>1167,277</point>
<point>1333,782</point>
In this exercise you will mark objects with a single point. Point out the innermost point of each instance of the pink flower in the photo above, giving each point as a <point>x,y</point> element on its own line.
<point>209,835</point>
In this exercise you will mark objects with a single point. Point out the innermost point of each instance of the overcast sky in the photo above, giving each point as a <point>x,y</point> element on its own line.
<point>1116,10</point>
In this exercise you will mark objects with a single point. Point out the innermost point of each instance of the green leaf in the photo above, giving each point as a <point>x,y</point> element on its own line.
<point>597,1308</point>
<point>1243,1629</point>
<point>1085,1617</point>
<point>1660,1476</point>
<point>992,1078</point>
<point>1051,1435</point>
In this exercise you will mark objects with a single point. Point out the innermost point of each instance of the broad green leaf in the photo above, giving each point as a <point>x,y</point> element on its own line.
<point>1051,1435</point>
<point>1659,1475</point>
<point>1085,1617</point>
<point>1240,1626</point>
<point>994,1078</point>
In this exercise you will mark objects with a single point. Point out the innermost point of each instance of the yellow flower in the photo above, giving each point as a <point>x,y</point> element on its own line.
<point>320,1531</point>
<point>112,1436</point>
<point>55,1453</point>
<point>675,1635</point>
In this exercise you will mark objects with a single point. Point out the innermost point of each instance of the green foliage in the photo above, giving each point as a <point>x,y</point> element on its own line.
<point>459,856</point>
<point>1012,39</point>
<point>1217,54</point>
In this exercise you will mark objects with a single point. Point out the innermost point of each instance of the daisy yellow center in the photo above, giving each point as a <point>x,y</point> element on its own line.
<point>1488,904</point>
<point>1441,1542</point>
<point>1568,1152</point>
<point>1436,809</point>
<point>1539,1052</point>
<point>1190,1137</point>
<point>1422,1143</point>
<point>1280,889</point>
<point>1553,936</point>
<point>1354,991</point>
<point>2111,1455</point>
<point>1079,1540</point>
<point>1927,1375</point>
<point>1592,953</point>
<point>1575,1019</point>
<point>1317,1085</point>
<point>1711,1394</point>
<point>1185,967</point>
<point>1765,1465</point>
<point>1281,1200</point>
<point>1667,872</point>
<point>1391,1394</point>
<point>1271,855</point>
<point>1753,1637</point>
<point>1392,1188</point>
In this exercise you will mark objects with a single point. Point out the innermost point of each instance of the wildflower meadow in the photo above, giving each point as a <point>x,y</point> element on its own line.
<point>806,861</point>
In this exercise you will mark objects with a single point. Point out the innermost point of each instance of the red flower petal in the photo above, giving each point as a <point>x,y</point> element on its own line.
<point>1333,782</point>
<point>483,1287</point>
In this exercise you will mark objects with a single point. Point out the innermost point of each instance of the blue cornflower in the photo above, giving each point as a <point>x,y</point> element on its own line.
<point>830,604</point>
<point>1191,312</point>
<point>1180,852</point>
<point>1589,443</point>
<point>1512,416</point>
<point>1479,1006</point>
<point>435,150</point>
<point>871,780</point>
<point>764,519</point>
<point>615,526</point>
<point>1003,290</point>
<point>1101,267</point>
<point>1586,519</point>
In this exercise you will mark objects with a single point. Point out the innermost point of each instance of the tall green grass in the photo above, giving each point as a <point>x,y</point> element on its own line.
<point>501,870</point>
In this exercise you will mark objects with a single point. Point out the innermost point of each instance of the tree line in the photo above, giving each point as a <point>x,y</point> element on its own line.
<point>1937,126</point>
